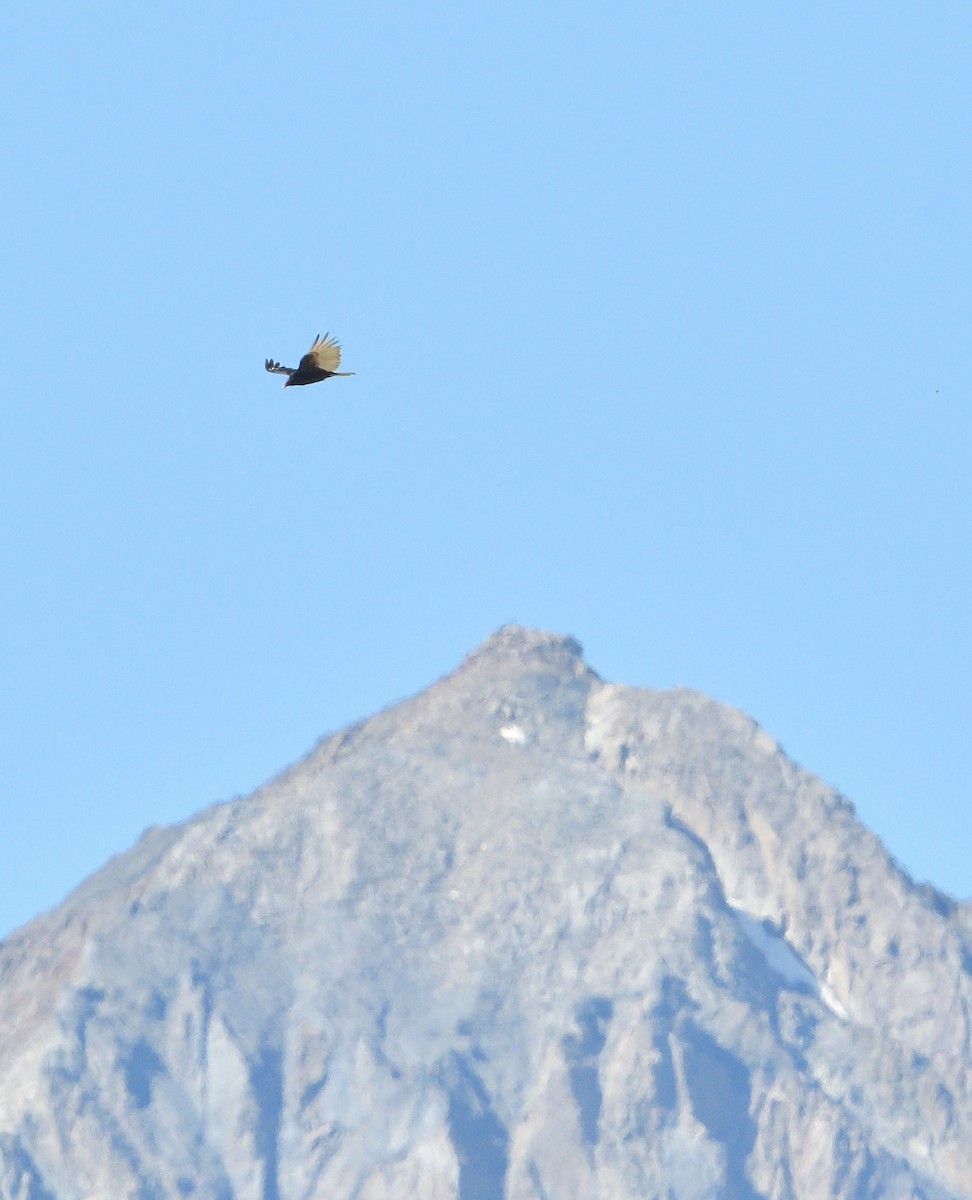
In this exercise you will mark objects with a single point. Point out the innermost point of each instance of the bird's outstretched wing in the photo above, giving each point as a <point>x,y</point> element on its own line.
<point>324,355</point>
<point>276,369</point>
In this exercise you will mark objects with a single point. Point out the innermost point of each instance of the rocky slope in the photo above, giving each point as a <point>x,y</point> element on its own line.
<point>526,935</point>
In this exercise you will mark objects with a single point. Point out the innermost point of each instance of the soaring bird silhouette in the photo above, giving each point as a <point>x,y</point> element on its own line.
<point>318,363</point>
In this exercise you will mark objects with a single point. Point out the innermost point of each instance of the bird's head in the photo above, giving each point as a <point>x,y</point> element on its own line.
<point>287,381</point>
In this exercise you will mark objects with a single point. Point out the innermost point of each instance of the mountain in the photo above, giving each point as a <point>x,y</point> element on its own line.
<point>528,934</point>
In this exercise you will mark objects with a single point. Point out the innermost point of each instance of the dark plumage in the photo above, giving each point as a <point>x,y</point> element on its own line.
<point>318,363</point>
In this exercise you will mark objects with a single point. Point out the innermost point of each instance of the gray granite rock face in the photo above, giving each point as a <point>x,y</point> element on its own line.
<point>526,935</point>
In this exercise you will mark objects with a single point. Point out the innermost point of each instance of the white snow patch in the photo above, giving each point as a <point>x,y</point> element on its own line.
<point>835,1006</point>
<point>516,735</point>
<point>783,960</point>
<point>780,956</point>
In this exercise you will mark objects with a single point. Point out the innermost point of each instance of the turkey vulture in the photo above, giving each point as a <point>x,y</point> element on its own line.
<point>318,363</point>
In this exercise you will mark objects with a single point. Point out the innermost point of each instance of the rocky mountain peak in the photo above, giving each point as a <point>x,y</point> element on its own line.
<point>516,662</point>
<point>526,934</point>
<point>529,649</point>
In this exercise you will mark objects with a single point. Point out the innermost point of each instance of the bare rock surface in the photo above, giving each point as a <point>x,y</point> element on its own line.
<point>526,935</point>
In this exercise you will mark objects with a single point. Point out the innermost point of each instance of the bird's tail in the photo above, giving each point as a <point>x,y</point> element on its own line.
<point>344,372</point>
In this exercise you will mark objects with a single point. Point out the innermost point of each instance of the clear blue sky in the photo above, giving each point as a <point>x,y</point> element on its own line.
<point>661,321</point>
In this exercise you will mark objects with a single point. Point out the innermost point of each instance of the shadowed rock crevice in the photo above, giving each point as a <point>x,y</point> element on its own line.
<point>718,1085</point>
<point>672,1000</point>
<point>140,1067</point>
<point>480,1139</point>
<point>581,1051</point>
<point>266,1078</point>
<point>19,1175</point>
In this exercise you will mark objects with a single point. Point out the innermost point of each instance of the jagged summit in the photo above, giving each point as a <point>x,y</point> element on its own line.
<point>517,682</point>
<point>516,660</point>
<point>527,933</point>
<point>527,647</point>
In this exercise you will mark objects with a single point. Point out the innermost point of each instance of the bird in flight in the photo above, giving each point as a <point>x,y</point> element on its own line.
<point>320,362</point>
